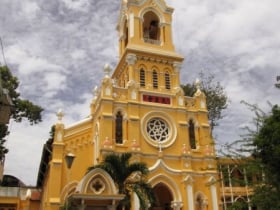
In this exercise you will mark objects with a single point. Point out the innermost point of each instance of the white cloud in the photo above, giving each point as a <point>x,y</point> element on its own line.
<point>29,9</point>
<point>78,54</point>
<point>81,5</point>
<point>58,51</point>
<point>27,62</point>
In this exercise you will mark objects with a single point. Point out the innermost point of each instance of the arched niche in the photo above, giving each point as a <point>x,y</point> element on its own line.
<point>151,27</point>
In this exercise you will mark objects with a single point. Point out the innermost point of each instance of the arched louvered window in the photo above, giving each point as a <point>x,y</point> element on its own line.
<point>167,80</point>
<point>192,135</point>
<point>142,78</point>
<point>119,128</point>
<point>155,79</point>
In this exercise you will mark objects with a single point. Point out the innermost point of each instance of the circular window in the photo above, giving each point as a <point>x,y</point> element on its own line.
<point>158,129</point>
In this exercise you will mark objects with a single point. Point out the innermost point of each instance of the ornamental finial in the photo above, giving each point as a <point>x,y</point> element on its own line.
<point>95,91</point>
<point>197,84</point>
<point>60,115</point>
<point>107,70</point>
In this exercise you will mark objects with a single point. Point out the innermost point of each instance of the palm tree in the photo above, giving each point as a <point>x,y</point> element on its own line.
<point>129,177</point>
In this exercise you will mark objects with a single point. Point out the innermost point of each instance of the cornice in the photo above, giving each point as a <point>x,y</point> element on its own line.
<point>155,3</point>
<point>153,51</point>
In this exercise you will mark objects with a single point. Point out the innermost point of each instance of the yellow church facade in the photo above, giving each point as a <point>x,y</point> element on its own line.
<point>138,108</point>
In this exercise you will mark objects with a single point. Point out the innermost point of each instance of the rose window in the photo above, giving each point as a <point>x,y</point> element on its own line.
<point>157,129</point>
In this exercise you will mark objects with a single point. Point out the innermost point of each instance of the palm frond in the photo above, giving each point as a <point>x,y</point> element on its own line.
<point>128,177</point>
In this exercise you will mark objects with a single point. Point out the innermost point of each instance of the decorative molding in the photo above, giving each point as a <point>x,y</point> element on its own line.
<point>170,123</point>
<point>155,3</point>
<point>153,60</point>
<point>177,66</point>
<point>107,70</point>
<point>176,205</point>
<point>131,59</point>
<point>161,163</point>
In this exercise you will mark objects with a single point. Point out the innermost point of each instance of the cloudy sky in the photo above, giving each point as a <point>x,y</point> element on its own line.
<point>57,49</point>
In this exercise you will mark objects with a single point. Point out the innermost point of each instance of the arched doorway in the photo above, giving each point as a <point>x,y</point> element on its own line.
<point>163,197</point>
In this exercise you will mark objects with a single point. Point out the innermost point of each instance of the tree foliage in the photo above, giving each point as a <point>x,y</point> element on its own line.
<point>267,147</point>
<point>216,97</point>
<point>238,205</point>
<point>122,172</point>
<point>259,150</point>
<point>22,109</point>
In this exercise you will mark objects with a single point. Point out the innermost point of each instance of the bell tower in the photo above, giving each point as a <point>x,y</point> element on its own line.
<point>147,54</point>
<point>145,24</point>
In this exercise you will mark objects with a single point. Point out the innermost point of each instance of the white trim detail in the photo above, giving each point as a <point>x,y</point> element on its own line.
<point>131,25</point>
<point>97,172</point>
<point>213,190</point>
<point>80,122</point>
<point>161,163</point>
<point>190,197</point>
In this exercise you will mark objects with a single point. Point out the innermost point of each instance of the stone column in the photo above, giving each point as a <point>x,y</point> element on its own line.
<point>189,190</point>
<point>213,190</point>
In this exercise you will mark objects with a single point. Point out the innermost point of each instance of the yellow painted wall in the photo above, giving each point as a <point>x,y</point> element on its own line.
<point>173,162</point>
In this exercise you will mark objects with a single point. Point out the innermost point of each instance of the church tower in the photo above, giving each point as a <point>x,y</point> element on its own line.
<point>140,108</point>
<point>145,36</point>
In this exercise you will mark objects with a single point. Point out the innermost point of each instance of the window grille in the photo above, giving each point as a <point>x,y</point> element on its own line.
<point>155,79</point>
<point>142,78</point>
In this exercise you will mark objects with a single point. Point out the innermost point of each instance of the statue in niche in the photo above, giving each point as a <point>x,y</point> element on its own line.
<point>153,30</point>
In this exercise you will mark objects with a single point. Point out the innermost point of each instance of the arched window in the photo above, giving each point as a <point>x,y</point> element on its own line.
<point>155,79</point>
<point>142,78</point>
<point>119,128</point>
<point>192,135</point>
<point>151,32</point>
<point>167,80</point>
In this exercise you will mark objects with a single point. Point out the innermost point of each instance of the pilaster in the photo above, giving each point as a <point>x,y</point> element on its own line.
<point>54,184</point>
<point>177,69</point>
<point>131,60</point>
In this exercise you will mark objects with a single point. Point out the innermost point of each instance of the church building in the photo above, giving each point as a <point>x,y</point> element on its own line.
<point>138,108</point>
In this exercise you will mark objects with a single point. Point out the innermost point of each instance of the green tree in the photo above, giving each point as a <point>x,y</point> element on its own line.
<point>238,205</point>
<point>259,152</point>
<point>121,171</point>
<point>216,97</point>
<point>267,147</point>
<point>22,109</point>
